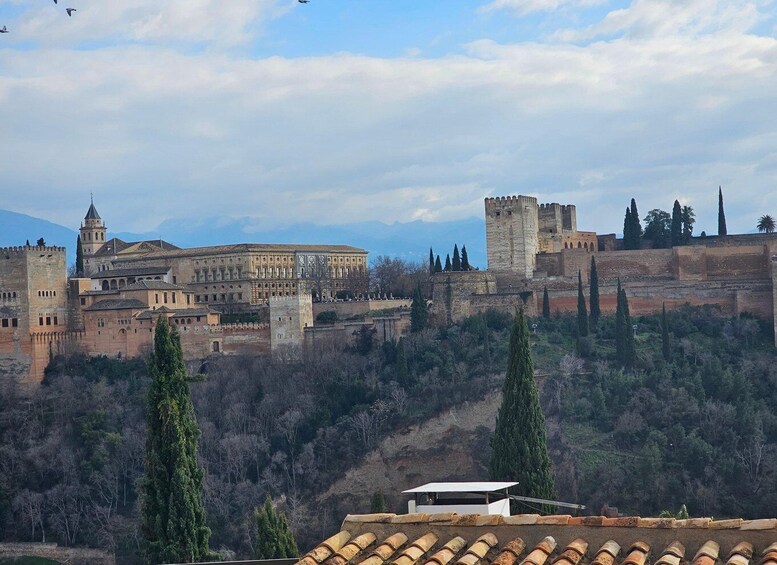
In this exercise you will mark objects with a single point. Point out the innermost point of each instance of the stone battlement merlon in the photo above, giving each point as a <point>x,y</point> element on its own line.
<point>24,249</point>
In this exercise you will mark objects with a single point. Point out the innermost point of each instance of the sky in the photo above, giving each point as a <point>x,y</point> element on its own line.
<point>341,111</point>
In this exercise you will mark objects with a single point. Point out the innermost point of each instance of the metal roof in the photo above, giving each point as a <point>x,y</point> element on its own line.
<point>460,487</point>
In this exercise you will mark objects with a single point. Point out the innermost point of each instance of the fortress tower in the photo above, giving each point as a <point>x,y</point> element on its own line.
<point>93,233</point>
<point>512,234</point>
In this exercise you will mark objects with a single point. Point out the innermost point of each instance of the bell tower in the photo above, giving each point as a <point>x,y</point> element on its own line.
<point>93,232</point>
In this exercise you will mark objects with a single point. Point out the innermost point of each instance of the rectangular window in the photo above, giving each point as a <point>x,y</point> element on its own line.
<point>174,281</point>
<point>48,320</point>
<point>83,302</point>
<point>197,298</point>
<point>5,322</point>
<point>15,322</point>
<point>40,321</point>
<point>55,321</point>
<point>164,296</point>
<point>173,298</point>
<point>188,299</point>
<point>156,298</point>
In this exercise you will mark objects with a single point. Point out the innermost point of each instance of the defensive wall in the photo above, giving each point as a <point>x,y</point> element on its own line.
<point>349,309</point>
<point>76,555</point>
<point>386,328</point>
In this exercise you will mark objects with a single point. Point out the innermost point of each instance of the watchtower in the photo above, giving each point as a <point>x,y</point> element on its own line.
<point>512,234</point>
<point>93,233</point>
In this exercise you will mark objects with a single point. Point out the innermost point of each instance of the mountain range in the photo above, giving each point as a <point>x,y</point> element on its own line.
<point>406,240</point>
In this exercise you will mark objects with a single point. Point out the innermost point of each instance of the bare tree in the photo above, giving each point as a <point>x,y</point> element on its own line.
<point>29,505</point>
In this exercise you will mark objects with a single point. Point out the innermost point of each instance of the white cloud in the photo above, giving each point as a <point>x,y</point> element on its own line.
<point>523,7</point>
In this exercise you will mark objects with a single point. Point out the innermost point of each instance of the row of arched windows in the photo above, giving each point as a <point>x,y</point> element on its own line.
<point>580,245</point>
<point>8,296</point>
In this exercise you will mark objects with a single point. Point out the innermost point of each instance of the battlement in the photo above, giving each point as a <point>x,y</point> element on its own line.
<point>25,249</point>
<point>502,201</point>
<point>242,327</point>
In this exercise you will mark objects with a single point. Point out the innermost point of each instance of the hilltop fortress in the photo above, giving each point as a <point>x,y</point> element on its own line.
<point>531,247</point>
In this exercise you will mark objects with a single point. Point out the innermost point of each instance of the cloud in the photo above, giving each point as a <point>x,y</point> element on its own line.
<point>157,132</point>
<point>212,22</point>
<point>524,7</point>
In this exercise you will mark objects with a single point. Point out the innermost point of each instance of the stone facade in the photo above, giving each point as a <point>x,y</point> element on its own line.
<point>289,316</point>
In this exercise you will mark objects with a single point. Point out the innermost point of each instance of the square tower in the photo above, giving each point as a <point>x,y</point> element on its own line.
<point>512,225</point>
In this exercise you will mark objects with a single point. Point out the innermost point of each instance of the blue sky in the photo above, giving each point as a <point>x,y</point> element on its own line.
<point>340,111</point>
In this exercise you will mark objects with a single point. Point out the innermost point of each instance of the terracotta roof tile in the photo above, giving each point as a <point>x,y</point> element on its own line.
<point>510,553</point>
<point>621,522</point>
<point>539,555</point>
<point>637,554</point>
<point>710,548</point>
<point>325,549</point>
<point>734,524</point>
<point>447,552</point>
<point>521,519</point>
<point>386,549</point>
<point>737,559</point>
<point>607,553</point>
<point>478,550</point>
<point>416,550</point>
<point>763,524</point>
<point>351,549</point>
<point>573,553</point>
<point>745,549</point>
<point>560,520</point>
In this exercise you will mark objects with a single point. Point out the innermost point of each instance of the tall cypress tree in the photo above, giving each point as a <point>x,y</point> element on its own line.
<point>596,311</point>
<point>625,348</point>
<point>627,231</point>
<point>620,325</point>
<point>666,346</point>
<point>431,261</point>
<point>447,264</point>
<point>582,313</point>
<point>677,224</point>
<point>636,225</point>
<point>173,514</point>
<point>519,444</point>
<point>274,539</point>
<point>419,315</point>
<point>545,304</point>
<point>721,214</point>
<point>402,371</point>
<point>79,257</point>
<point>437,265</point>
<point>464,259</point>
<point>456,266</point>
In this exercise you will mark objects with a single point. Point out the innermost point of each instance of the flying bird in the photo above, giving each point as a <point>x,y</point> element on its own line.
<point>303,1</point>
<point>70,11</point>
<point>55,1</point>
<point>4,30</point>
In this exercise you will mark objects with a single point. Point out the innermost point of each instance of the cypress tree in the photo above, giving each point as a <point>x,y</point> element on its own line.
<point>519,444</point>
<point>546,304</point>
<point>431,261</point>
<point>402,372</point>
<point>677,224</point>
<point>79,257</point>
<point>625,348</point>
<point>419,315</point>
<point>464,259</point>
<point>274,539</point>
<point>173,515</point>
<point>721,214</point>
<point>486,340</point>
<point>666,345</point>
<point>636,225</point>
<point>447,264</point>
<point>620,325</point>
<point>456,266</point>
<point>582,314</point>
<point>437,265</point>
<point>627,231</point>
<point>596,311</point>
<point>377,503</point>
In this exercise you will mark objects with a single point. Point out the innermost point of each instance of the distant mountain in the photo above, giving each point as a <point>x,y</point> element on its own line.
<point>16,229</point>
<point>410,240</point>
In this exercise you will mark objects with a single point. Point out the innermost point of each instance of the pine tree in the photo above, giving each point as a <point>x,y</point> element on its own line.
<point>464,259</point>
<point>582,314</point>
<point>431,261</point>
<point>274,539</point>
<point>627,231</point>
<point>79,257</point>
<point>419,314</point>
<point>447,264</point>
<point>437,265</point>
<point>377,503</point>
<point>596,311</point>
<point>456,266</point>
<point>519,444</point>
<point>677,224</point>
<point>546,304</point>
<point>666,344</point>
<point>721,214</point>
<point>173,514</point>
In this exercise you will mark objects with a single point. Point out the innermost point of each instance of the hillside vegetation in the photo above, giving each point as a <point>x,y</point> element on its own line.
<point>699,430</point>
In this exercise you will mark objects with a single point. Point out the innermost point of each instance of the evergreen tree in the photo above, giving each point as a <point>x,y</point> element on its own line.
<point>456,266</point>
<point>519,445</point>
<point>41,242</point>
<point>721,214</point>
<point>274,539</point>
<point>485,339</point>
<point>437,265</point>
<point>545,304</point>
<point>582,314</point>
<point>677,224</point>
<point>402,371</point>
<point>628,238</point>
<point>419,314</point>
<point>636,226</point>
<point>625,348</point>
<point>173,515</point>
<point>447,264</point>
<point>79,257</point>
<point>464,259</point>
<point>378,503</point>
<point>666,345</point>
<point>27,244</point>
<point>596,311</point>
<point>431,261</point>
<point>689,218</point>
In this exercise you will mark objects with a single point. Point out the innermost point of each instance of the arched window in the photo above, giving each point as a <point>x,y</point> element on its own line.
<point>579,245</point>
<point>114,286</point>
<point>106,286</point>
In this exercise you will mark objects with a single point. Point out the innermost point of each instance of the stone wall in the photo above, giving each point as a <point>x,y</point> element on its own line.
<point>349,309</point>
<point>512,234</point>
<point>453,292</point>
<point>289,316</point>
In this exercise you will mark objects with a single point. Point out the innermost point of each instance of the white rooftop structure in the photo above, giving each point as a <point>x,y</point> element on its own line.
<point>462,498</point>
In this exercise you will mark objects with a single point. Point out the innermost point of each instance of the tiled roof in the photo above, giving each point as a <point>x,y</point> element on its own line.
<point>451,539</point>
<point>117,304</point>
<point>259,248</point>
<point>92,214</point>
<point>182,313</point>
<point>152,285</point>
<point>136,271</point>
<point>115,246</point>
